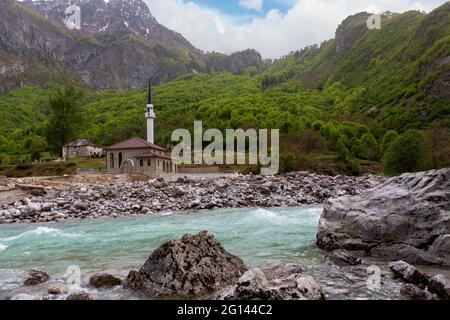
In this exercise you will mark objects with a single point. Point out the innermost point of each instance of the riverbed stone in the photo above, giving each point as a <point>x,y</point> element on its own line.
<point>35,277</point>
<point>195,266</point>
<point>105,279</point>
<point>408,273</point>
<point>405,218</point>
<point>342,257</point>
<point>80,295</point>
<point>82,206</point>
<point>274,281</point>
<point>413,292</point>
<point>440,286</point>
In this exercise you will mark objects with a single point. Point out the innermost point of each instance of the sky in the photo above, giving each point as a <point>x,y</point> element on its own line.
<point>272,27</point>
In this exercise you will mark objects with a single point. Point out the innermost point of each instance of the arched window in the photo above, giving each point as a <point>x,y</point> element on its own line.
<point>141,162</point>
<point>149,162</point>
<point>120,159</point>
<point>111,159</point>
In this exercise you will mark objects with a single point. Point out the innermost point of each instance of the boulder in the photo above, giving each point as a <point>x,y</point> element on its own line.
<point>274,281</point>
<point>408,273</point>
<point>57,290</point>
<point>80,295</point>
<point>104,280</point>
<point>342,258</point>
<point>82,206</point>
<point>3,181</point>
<point>405,218</point>
<point>36,191</point>
<point>35,277</point>
<point>439,286</point>
<point>413,292</point>
<point>195,266</point>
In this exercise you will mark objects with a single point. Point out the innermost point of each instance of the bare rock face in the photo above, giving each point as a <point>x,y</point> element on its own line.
<point>195,266</point>
<point>35,277</point>
<point>274,281</point>
<point>406,218</point>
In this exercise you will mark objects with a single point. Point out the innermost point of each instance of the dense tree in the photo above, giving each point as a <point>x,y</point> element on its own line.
<point>408,153</point>
<point>368,148</point>
<point>388,138</point>
<point>65,117</point>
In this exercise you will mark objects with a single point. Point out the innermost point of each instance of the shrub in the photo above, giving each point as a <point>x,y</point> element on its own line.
<point>288,162</point>
<point>368,148</point>
<point>35,156</point>
<point>388,138</point>
<point>408,153</point>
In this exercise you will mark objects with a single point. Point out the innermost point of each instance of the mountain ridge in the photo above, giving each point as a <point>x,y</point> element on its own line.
<point>120,46</point>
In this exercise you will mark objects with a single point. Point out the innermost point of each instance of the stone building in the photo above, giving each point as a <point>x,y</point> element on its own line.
<point>139,155</point>
<point>81,148</point>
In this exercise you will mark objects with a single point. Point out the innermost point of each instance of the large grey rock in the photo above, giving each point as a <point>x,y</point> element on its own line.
<point>406,218</point>
<point>408,273</point>
<point>439,286</point>
<point>274,281</point>
<point>35,277</point>
<point>195,266</point>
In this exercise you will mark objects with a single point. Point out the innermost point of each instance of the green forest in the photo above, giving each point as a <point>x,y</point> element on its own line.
<point>380,104</point>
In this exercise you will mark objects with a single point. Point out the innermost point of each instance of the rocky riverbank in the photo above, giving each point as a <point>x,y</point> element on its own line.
<point>118,199</point>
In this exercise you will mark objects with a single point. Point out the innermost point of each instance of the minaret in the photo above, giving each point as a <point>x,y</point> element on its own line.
<point>150,115</point>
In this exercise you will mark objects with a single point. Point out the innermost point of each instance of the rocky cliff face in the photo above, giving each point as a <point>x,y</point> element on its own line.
<point>349,31</point>
<point>406,218</point>
<point>120,46</point>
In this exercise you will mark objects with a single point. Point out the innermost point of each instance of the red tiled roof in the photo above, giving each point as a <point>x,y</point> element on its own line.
<point>135,143</point>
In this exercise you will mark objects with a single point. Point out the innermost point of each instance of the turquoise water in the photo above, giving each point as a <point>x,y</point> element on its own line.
<point>255,235</point>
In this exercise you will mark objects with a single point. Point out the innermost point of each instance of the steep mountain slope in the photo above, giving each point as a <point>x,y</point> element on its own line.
<point>396,77</point>
<point>120,46</point>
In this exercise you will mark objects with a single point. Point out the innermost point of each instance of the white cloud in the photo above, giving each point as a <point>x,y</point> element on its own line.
<point>252,4</point>
<point>276,34</point>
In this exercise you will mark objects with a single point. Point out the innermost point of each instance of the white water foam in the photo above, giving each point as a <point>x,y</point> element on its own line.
<point>272,217</point>
<point>38,232</point>
<point>3,247</point>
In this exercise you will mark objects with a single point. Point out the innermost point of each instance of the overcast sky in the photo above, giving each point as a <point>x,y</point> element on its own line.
<point>273,27</point>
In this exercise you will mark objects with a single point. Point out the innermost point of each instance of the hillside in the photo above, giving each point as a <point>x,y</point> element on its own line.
<point>334,103</point>
<point>120,46</point>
